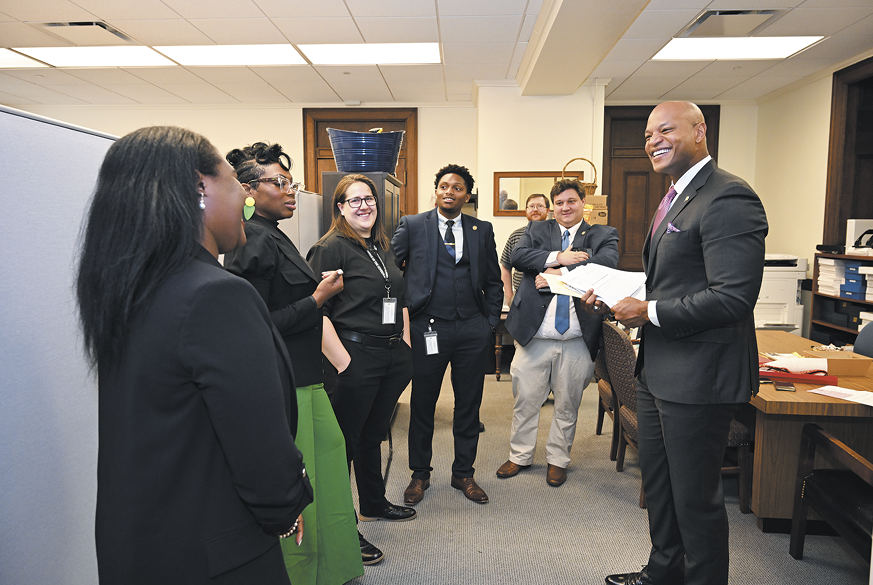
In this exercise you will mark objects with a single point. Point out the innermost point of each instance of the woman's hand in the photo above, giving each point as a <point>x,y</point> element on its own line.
<point>299,538</point>
<point>331,284</point>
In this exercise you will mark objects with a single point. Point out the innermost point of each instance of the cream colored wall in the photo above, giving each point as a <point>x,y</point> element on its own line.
<point>534,133</point>
<point>446,136</point>
<point>791,163</point>
<point>738,127</point>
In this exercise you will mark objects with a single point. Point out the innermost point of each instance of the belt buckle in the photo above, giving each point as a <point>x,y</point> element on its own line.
<point>393,342</point>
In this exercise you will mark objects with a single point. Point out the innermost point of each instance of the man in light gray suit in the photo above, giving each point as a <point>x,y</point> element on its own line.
<point>704,260</point>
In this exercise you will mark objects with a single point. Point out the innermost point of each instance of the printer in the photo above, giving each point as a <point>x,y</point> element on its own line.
<point>779,305</point>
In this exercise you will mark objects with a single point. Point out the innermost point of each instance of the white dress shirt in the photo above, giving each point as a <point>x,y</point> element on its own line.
<point>457,231</point>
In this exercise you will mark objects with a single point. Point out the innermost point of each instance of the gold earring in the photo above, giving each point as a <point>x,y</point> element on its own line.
<point>249,209</point>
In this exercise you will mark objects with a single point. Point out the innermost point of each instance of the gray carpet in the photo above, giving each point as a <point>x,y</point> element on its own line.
<point>531,533</point>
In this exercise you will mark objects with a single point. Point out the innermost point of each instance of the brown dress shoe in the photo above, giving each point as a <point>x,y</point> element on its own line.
<point>556,476</point>
<point>470,488</point>
<point>415,491</point>
<point>510,469</point>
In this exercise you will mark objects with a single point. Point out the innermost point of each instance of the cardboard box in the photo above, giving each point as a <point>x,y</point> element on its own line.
<point>843,363</point>
<point>596,201</point>
<point>599,216</point>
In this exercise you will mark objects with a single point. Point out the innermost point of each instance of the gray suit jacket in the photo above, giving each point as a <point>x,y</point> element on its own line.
<point>704,267</point>
<point>529,305</point>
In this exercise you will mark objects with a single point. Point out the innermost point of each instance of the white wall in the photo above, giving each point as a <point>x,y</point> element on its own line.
<point>445,136</point>
<point>791,165</point>
<point>738,129</point>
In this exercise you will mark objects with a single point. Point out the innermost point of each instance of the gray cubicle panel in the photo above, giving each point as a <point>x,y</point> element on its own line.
<point>48,397</point>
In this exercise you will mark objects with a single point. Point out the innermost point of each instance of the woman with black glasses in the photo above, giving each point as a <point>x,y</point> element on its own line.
<point>365,341</point>
<point>294,294</point>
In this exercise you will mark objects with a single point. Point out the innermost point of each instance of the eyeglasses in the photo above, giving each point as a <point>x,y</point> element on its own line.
<point>536,206</point>
<point>355,202</point>
<point>281,181</point>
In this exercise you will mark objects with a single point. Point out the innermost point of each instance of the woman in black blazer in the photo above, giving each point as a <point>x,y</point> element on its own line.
<point>294,295</point>
<point>198,476</point>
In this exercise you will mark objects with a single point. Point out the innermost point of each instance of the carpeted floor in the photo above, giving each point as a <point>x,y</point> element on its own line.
<point>534,534</point>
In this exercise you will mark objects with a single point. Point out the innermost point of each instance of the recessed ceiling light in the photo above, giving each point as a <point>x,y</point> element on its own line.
<point>10,59</point>
<point>373,54</point>
<point>97,56</point>
<point>233,55</point>
<point>733,48</point>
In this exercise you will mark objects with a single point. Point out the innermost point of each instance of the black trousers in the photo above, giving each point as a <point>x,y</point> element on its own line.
<point>363,397</point>
<point>681,448</point>
<point>466,344</point>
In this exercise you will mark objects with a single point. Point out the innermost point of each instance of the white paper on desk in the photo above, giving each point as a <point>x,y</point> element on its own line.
<point>800,365</point>
<point>858,396</point>
<point>610,285</point>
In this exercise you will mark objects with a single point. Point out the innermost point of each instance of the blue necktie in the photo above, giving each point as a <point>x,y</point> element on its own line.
<point>562,312</point>
<point>450,239</point>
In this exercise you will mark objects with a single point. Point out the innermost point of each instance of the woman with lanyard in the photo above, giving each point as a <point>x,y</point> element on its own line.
<point>294,294</point>
<point>365,340</point>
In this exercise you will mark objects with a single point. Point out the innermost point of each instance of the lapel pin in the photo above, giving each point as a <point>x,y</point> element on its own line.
<point>475,227</point>
<point>582,234</point>
<point>687,198</point>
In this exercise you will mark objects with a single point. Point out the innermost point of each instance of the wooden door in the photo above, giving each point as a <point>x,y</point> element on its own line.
<point>319,156</point>
<point>634,188</point>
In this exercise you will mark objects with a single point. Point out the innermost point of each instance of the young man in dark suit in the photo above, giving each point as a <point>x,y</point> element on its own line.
<point>454,294</point>
<point>704,260</point>
<point>556,341</point>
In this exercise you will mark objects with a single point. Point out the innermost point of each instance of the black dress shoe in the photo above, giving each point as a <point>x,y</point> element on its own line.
<point>391,513</point>
<point>641,578</point>
<point>481,427</point>
<point>370,555</point>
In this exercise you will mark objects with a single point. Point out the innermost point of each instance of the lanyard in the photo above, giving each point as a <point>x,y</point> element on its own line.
<point>383,270</point>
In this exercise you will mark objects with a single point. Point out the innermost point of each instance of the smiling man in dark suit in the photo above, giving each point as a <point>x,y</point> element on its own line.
<point>704,260</point>
<point>454,294</point>
<point>556,341</point>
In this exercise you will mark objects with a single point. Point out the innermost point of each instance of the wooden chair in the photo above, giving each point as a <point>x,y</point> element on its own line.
<point>621,363</point>
<point>843,497</point>
<point>605,403</point>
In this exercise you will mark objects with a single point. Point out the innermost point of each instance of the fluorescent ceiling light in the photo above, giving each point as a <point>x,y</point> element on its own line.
<point>733,48</point>
<point>98,56</point>
<point>230,55</point>
<point>373,54</point>
<point>10,60</point>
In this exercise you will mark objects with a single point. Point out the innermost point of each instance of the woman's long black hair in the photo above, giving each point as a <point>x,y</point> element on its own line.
<point>143,225</point>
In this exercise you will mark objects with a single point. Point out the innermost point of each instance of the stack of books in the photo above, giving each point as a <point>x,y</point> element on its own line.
<point>831,276</point>
<point>865,317</point>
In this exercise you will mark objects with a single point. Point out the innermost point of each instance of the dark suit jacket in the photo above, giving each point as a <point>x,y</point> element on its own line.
<point>285,281</point>
<point>705,278</point>
<point>529,305</point>
<point>197,469</point>
<point>415,248</point>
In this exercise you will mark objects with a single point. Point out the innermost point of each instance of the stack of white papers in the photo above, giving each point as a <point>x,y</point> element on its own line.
<point>858,396</point>
<point>609,285</point>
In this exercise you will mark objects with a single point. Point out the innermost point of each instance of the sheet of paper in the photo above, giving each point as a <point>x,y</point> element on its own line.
<point>800,364</point>
<point>557,286</point>
<point>858,396</point>
<point>610,285</point>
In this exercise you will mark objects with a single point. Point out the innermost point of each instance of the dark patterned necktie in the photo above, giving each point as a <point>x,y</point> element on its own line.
<point>663,208</point>
<point>450,239</point>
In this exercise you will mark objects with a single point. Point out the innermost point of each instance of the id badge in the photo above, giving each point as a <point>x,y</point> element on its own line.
<point>430,343</point>
<point>389,311</point>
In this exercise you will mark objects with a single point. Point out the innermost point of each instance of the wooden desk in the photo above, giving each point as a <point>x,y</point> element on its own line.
<point>779,419</point>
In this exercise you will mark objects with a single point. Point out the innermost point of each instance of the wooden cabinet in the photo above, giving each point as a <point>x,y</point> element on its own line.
<point>823,323</point>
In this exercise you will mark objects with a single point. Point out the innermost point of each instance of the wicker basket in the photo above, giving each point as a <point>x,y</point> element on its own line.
<point>589,188</point>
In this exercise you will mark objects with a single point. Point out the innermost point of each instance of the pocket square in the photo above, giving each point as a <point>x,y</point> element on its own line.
<point>672,229</point>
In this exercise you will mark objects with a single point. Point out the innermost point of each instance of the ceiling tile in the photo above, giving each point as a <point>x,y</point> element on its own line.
<point>6,18</point>
<point>145,93</point>
<point>684,69</point>
<point>93,94</point>
<point>217,75</point>
<point>736,68</point>
<point>482,29</point>
<point>475,71</point>
<point>240,31</point>
<point>303,8</point>
<point>106,76</point>
<point>390,8</point>
<point>19,34</point>
<point>412,73</point>
<point>365,92</point>
<point>701,88</point>
<point>816,21</point>
<point>46,11</point>
<point>199,93</point>
<point>157,33</point>
<point>301,31</point>
<point>46,76</point>
<point>615,69</point>
<point>655,86</point>
<point>676,5</point>
<point>527,27</point>
<point>613,85</point>
<point>796,67</point>
<point>835,3</point>
<point>462,53</point>
<point>406,91</point>
<point>751,4</point>
<point>298,83</point>
<point>14,100</point>
<point>131,10</point>
<point>534,6</point>
<point>399,30</point>
<point>756,87</point>
<point>162,76</point>
<point>215,8</point>
<point>343,75</point>
<point>253,93</point>
<point>837,48</point>
<point>41,95</point>
<point>659,23</point>
<point>513,70</point>
<point>864,28</point>
<point>461,87</point>
<point>518,54</point>
<point>481,7</point>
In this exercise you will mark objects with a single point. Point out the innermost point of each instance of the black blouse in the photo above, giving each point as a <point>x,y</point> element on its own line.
<point>359,306</point>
